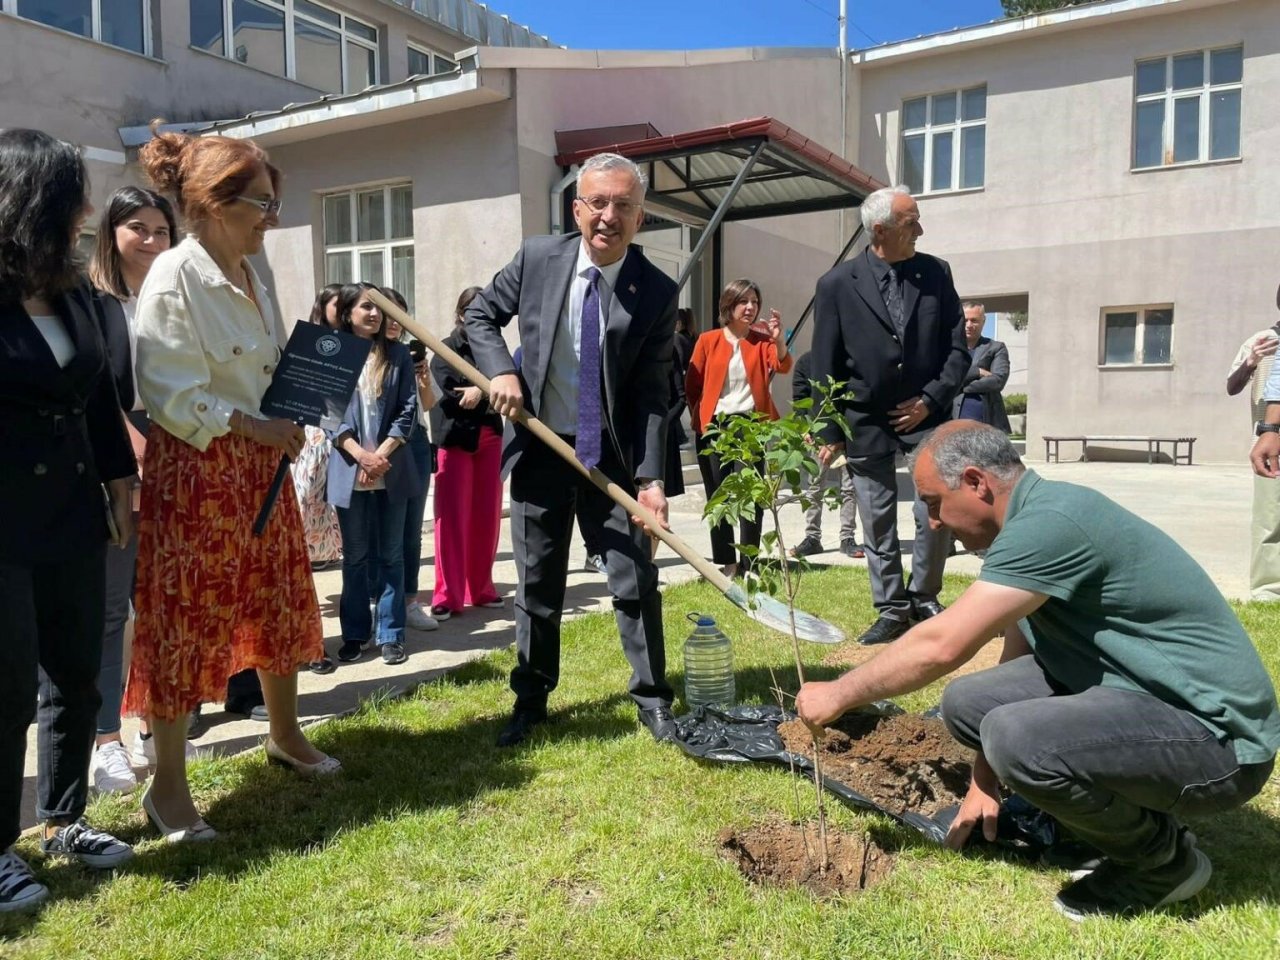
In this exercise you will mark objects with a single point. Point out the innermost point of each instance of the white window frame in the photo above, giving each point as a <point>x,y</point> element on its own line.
<point>1171,96</point>
<point>95,30</point>
<point>1139,337</point>
<point>356,247</point>
<point>435,58</point>
<point>290,47</point>
<point>930,130</point>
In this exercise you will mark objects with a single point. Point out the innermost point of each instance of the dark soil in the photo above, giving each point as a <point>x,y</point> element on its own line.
<point>902,763</point>
<point>778,854</point>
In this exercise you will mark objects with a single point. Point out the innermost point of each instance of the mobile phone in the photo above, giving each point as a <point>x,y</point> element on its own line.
<point>417,350</point>
<point>112,529</point>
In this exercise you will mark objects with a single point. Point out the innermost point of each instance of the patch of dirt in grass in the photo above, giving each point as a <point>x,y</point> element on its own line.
<point>903,763</point>
<point>780,854</point>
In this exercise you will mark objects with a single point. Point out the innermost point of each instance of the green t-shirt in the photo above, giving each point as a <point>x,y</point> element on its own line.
<point>1128,608</point>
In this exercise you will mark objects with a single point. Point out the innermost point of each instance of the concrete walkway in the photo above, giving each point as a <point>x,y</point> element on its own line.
<point>1204,508</point>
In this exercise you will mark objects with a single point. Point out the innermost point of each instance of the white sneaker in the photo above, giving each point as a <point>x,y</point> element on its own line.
<point>419,619</point>
<point>111,770</point>
<point>143,753</point>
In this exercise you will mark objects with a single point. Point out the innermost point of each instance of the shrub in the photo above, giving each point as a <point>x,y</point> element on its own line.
<point>1015,403</point>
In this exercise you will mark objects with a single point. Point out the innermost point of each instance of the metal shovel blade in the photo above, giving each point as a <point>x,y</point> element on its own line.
<point>773,613</point>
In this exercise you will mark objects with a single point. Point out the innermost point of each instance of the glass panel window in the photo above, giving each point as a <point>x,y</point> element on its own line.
<point>1185,113</point>
<point>940,179</point>
<point>371,267</point>
<point>317,12</point>
<point>74,16</point>
<point>363,66</point>
<point>419,62</point>
<point>1224,128</point>
<point>319,54</point>
<point>206,25</point>
<point>944,141</point>
<point>337,268</point>
<point>361,30</point>
<point>257,36</point>
<point>913,163</point>
<point>371,216</point>
<point>402,272</point>
<point>337,219</point>
<point>122,24</point>
<point>1134,336</point>
<point>401,212</point>
<point>444,64</point>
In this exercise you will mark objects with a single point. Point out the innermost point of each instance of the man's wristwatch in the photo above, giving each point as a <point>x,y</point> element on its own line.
<point>1260,428</point>
<point>650,484</point>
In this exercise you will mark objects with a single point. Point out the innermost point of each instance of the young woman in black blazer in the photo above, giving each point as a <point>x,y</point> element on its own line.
<point>65,439</point>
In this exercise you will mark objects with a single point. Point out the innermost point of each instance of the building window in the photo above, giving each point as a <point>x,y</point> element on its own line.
<point>121,23</point>
<point>428,63</point>
<point>368,237</point>
<point>1137,336</point>
<point>1187,108</point>
<point>303,41</point>
<point>944,141</point>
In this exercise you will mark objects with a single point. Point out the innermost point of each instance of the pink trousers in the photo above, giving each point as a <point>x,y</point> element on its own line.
<point>468,511</point>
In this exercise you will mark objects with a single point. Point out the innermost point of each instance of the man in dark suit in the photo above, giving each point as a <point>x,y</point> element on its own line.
<point>979,397</point>
<point>597,326</point>
<point>888,324</point>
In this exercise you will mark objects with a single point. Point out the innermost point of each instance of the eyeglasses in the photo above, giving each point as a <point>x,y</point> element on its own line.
<point>268,207</point>
<point>622,208</point>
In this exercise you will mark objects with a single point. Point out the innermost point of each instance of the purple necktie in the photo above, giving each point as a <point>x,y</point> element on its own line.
<point>587,445</point>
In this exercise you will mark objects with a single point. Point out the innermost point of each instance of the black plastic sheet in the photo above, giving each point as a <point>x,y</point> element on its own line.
<point>749,734</point>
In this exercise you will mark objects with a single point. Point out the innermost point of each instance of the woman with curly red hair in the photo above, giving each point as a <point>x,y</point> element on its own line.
<point>213,598</point>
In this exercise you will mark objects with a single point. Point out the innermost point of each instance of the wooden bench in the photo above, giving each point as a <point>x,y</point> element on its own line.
<point>1051,444</point>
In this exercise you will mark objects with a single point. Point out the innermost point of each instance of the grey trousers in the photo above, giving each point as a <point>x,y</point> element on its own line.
<point>546,495</point>
<point>875,482</point>
<point>848,505</point>
<point>1114,767</point>
<point>1264,534</point>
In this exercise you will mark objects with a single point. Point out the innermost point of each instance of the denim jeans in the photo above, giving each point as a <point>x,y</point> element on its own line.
<point>372,514</point>
<point>420,448</point>
<point>1115,767</point>
<point>119,584</point>
<point>51,622</point>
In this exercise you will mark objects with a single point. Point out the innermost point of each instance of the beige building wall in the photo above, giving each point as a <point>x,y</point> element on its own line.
<point>1063,219</point>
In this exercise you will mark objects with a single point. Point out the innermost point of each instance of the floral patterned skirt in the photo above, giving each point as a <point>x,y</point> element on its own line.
<point>213,599</point>
<point>319,518</point>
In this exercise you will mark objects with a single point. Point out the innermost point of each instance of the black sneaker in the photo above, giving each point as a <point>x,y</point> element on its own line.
<point>393,653</point>
<point>884,630</point>
<point>1113,890</point>
<point>807,547</point>
<point>850,548</point>
<point>20,891</point>
<point>350,651</point>
<point>93,848</point>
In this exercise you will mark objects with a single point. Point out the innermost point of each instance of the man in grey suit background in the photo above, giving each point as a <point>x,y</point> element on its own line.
<point>979,397</point>
<point>887,324</point>
<point>597,328</point>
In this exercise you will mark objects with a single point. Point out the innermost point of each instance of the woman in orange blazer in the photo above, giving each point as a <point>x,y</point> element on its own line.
<point>729,375</point>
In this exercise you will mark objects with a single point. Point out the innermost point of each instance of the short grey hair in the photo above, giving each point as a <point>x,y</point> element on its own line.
<point>878,207</point>
<point>612,161</point>
<point>979,446</point>
<point>970,304</point>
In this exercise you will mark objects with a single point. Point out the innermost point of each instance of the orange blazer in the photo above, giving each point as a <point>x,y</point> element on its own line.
<point>709,369</point>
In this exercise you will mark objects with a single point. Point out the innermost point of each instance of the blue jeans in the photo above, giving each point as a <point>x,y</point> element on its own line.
<point>372,519</point>
<point>420,447</point>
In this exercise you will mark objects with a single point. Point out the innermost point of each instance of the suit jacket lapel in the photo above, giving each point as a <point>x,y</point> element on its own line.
<point>558,277</point>
<point>864,282</point>
<point>909,273</point>
<point>617,321</point>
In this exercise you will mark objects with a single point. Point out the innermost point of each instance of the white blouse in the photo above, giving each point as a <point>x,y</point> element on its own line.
<point>204,348</point>
<point>55,335</point>
<point>735,395</point>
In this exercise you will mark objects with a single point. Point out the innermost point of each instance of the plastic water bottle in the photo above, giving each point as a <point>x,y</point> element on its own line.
<point>708,665</point>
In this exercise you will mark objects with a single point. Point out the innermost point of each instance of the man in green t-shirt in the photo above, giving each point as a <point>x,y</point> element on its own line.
<point>1127,694</point>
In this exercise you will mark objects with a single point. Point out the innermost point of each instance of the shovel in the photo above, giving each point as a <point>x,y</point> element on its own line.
<point>759,607</point>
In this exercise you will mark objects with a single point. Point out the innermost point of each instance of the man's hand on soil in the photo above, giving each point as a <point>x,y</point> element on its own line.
<point>818,703</point>
<point>981,804</point>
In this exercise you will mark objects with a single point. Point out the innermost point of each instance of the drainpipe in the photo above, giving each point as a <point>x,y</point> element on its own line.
<point>557,200</point>
<point>844,97</point>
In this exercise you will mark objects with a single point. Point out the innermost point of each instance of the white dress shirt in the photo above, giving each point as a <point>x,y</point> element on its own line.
<point>204,348</point>
<point>559,406</point>
<point>735,395</point>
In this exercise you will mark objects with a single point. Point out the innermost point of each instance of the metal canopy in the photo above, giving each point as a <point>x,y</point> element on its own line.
<point>693,174</point>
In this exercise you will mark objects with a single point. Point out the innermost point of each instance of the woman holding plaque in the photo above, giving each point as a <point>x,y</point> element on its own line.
<point>213,599</point>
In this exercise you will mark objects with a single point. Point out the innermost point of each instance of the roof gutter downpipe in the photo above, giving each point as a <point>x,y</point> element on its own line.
<point>557,200</point>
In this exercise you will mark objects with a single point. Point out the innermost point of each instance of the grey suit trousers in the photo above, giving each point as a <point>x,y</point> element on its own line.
<point>546,495</point>
<point>875,483</point>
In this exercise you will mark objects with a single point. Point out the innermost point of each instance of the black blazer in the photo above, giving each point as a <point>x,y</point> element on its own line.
<point>989,355</point>
<point>451,424</point>
<point>639,337</point>
<point>115,334</point>
<point>64,434</point>
<point>855,342</point>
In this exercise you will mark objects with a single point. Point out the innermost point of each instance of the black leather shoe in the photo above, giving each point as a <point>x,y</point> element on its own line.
<point>660,722</point>
<point>246,708</point>
<point>884,630</point>
<point>924,609</point>
<point>521,724</point>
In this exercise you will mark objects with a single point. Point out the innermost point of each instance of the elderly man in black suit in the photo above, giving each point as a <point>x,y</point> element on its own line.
<point>888,324</point>
<point>597,329</point>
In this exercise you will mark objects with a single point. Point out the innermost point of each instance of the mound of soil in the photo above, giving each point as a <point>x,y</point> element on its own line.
<point>779,854</point>
<point>903,763</point>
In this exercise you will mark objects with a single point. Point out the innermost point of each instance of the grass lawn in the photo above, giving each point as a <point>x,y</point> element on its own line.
<point>591,841</point>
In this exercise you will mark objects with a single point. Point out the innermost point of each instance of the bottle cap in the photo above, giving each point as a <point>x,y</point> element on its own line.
<point>700,619</point>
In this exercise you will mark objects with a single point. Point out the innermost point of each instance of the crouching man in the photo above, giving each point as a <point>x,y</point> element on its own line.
<point>1128,695</point>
